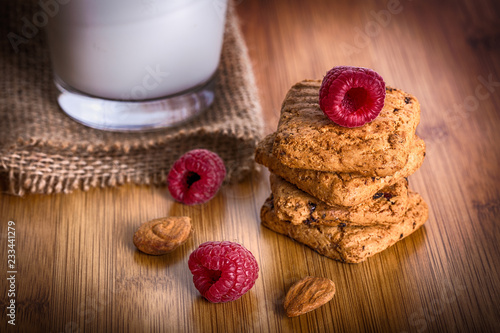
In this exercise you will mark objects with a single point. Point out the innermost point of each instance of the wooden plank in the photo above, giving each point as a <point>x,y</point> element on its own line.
<point>78,270</point>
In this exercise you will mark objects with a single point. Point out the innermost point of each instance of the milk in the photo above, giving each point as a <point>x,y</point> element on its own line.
<point>136,49</point>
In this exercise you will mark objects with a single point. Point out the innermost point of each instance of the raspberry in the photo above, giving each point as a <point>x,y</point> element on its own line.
<point>223,271</point>
<point>196,176</point>
<point>352,96</point>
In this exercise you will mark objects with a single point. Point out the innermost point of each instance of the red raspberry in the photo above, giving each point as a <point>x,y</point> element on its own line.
<point>196,176</point>
<point>352,96</point>
<point>223,271</point>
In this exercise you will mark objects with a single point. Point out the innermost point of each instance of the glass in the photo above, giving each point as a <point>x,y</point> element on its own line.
<point>130,65</point>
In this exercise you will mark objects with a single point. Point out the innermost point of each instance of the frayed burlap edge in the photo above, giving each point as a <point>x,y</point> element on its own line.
<point>32,163</point>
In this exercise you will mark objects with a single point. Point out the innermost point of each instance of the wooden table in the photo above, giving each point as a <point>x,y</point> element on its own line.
<point>78,271</point>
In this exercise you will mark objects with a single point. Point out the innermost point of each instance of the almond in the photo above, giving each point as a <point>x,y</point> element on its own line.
<point>308,294</point>
<point>163,235</point>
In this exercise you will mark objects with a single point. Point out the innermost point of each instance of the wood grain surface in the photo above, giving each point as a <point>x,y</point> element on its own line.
<point>78,270</point>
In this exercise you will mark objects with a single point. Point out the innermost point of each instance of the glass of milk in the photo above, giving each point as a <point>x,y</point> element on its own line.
<point>132,65</point>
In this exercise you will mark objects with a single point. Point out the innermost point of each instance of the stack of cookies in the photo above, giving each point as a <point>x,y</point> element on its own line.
<point>343,191</point>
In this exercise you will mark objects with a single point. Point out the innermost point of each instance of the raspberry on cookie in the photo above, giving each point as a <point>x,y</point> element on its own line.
<point>352,96</point>
<point>307,139</point>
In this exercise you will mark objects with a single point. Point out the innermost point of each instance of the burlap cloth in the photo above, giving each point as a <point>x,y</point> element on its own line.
<point>43,151</point>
